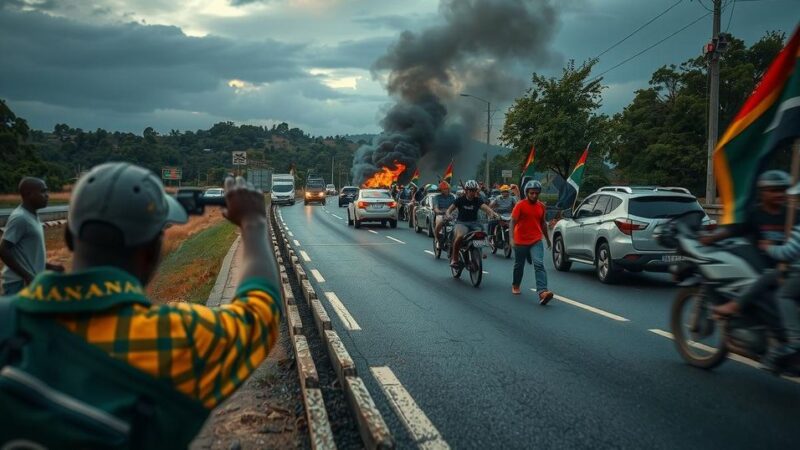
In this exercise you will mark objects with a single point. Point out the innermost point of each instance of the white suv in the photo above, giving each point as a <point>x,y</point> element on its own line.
<point>612,230</point>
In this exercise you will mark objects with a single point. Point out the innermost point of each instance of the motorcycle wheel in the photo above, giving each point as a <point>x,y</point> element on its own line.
<point>457,272</point>
<point>494,242</point>
<point>696,354</point>
<point>437,248</point>
<point>506,249</point>
<point>476,266</point>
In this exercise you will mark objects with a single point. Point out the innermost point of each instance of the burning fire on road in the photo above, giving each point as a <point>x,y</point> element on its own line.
<point>385,177</point>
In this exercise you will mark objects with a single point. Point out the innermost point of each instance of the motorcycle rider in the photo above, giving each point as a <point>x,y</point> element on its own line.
<point>440,204</point>
<point>767,222</point>
<point>467,207</point>
<point>502,204</point>
<point>526,230</point>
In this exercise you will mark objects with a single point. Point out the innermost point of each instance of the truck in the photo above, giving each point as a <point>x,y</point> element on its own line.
<point>283,189</point>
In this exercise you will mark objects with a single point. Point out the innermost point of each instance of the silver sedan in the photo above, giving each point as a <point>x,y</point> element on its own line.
<point>372,205</point>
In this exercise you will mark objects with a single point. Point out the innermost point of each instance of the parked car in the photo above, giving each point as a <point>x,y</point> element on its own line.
<point>330,189</point>
<point>314,191</point>
<point>347,194</point>
<point>424,216</point>
<point>372,205</point>
<point>612,229</point>
<point>283,193</point>
<point>214,193</point>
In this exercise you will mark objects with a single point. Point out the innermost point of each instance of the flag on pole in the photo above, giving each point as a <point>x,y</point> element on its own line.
<point>448,173</point>
<point>415,177</point>
<point>529,169</point>
<point>569,192</point>
<point>769,116</point>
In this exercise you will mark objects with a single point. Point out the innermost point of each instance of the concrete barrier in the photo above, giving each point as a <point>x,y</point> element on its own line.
<point>371,426</point>
<point>319,427</point>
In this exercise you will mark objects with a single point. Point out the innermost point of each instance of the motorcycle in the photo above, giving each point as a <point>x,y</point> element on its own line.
<point>444,241</point>
<point>470,256</point>
<point>499,238</point>
<point>708,276</point>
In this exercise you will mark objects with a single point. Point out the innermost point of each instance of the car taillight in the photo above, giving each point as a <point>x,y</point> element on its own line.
<point>362,204</point>
<point>628,226</point>
<point>479,235</point>
<point>392,204</point>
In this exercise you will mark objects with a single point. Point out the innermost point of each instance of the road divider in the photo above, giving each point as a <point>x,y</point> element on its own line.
<point>305,256</point>
<point>296,243</point>
<point>344,315</point>
<point>592,309</point>
<point>421,429</point>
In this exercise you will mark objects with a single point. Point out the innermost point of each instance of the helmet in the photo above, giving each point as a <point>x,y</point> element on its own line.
<point>774,178</point>
<point>431,188</point>
<point>443,185</point>
<point>794,190</point>
<point>533,184</point>
<point>504,188</point>
<point>471,184</point>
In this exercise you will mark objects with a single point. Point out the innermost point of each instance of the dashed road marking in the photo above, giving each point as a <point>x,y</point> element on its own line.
<point>290,233</point>
<point>373,231</point>
<point>396,240</point>
<point>589,308</point>
<point>732,356</point>
<point>305,256</point>
<point>334,215</point>
<point>485,272</point>
<point>341,311</point>
<point>317,276</point>
<point>422,431</point>
<point>296,243</point>
<point>430,252</point>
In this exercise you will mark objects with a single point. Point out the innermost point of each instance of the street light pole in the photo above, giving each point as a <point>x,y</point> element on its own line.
<point>713,108</point>
<point>488,133</point>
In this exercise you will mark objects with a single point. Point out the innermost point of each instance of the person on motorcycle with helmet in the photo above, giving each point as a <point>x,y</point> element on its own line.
<point>440,205</point>
<point>766,222</point>
<point>467,207</point>
<point>502,204</point>
<point>526,230</point>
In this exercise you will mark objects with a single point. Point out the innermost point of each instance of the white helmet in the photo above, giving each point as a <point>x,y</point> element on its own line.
<point>533,184</point>
<point>471,184</point>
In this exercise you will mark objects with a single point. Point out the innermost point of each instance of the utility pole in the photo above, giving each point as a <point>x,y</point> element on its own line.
<point>713,107</point>
<point>488,130</point>
<point>333,158</point>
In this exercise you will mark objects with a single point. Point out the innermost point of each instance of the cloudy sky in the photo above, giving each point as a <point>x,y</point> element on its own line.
<point>186,64</point>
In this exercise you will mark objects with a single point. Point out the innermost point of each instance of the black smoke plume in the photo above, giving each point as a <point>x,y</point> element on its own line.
<point>475,50</point>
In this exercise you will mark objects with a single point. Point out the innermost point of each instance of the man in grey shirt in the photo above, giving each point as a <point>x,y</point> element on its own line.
<point>22,244</point>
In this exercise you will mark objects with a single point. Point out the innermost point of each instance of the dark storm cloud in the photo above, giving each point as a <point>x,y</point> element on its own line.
<point>396,22</point>
<point>360,53</point>
<point>131,67</point>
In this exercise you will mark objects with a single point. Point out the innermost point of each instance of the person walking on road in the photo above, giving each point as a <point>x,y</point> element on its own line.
<point>526,231</point>
<point>22,247</point>
<point>149,374</point>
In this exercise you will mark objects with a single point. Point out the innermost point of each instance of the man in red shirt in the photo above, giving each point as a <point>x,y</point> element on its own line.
<point>527,228</point>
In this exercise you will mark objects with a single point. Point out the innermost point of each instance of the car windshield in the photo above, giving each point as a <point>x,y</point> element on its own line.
<point>662,207</point>
<point>375,194</point>
<point>282,187</point>
<point>349,191</point>
<point>330,186</point>
<point>213,191</point>
<point>315,183</point>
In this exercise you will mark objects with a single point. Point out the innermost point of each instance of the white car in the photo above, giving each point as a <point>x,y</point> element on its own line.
<point>283,193</point>
<point>330,189</point>
<point>372,205</point>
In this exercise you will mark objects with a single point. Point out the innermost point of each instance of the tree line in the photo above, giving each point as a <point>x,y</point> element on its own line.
<point>660,138</point>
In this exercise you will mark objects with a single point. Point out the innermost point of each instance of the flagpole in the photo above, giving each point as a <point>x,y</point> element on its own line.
<point>792,213</point>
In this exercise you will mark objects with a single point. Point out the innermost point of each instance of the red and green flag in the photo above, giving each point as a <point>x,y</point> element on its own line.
<point>529,169</point>
<point>569,193</point>
<point>769,117</point>
<point>448,173</point>
<point>415,177</point>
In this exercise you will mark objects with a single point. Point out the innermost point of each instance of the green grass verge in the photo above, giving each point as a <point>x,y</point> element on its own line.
<point>189,272</point>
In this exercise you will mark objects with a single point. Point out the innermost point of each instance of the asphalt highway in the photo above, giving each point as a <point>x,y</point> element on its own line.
<point>452,365</point>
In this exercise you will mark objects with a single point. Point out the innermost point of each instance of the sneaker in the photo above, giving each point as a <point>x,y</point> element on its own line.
<point>545,296</point>
<point>515,290</point>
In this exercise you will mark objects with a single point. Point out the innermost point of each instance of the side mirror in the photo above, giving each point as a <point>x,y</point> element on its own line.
<point>194,202</point>
<point>567,214</point>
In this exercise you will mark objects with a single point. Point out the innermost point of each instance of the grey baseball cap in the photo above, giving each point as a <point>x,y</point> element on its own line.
<point>126,196</point>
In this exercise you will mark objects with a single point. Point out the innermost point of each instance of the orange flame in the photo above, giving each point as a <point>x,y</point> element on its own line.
<point>385,177</point>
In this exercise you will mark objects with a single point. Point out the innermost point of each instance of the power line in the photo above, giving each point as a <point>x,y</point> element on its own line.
<point>638,29</point>
<point>652,46</point>
<point>730,18</point>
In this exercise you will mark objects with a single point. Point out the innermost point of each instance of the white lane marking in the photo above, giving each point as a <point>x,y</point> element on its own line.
<point>345,316</point>
<point>414,419</point>
<point>430,252</point>
<point>317,275</point>
<point>487,273</point>
<point>732,356</point>
<point>589,308</point>
<point>396,240</point>
<point>296,243</point>
<point>334,215</point>
<point>373,231</point>
<point>305,256</point>
<point>290,233</point>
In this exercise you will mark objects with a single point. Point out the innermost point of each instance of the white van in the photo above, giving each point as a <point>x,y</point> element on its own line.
<point>282,192</point>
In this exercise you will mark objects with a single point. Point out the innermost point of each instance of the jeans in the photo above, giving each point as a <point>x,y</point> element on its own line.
<point>788,299</point>
<point>13,287</point>
<point>533,253</point>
